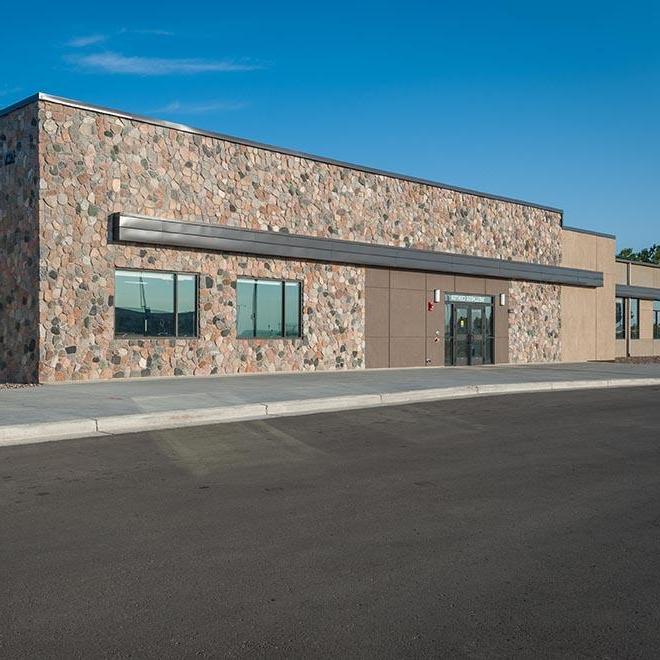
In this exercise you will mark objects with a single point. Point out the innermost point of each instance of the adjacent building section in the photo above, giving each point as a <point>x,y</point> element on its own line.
<point>587,315</point>
<point>637,309</point>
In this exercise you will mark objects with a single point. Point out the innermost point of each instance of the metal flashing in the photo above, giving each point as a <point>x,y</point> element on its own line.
<point>645,264</point>
<point>641,292</point>
<point>19,104</point>
<point>155,231</point>
<point>590,232</point>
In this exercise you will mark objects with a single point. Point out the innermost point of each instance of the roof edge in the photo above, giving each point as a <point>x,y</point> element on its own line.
<point>41,96</point>
<point>620,260</point>
<point>20,104</point>
<point>590,232</point>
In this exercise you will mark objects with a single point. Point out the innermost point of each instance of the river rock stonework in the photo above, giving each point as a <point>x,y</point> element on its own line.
<point>534,323</point>
<point>19,246</point>
<point>93,164</point>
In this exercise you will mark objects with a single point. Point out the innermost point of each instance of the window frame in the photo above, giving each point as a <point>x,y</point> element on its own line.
<point>656,319</point>
<point>175,297</point>
<point>282,282</point>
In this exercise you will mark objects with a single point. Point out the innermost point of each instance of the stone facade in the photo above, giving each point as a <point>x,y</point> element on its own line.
<point>93,164</point>
<point>19,246</point>
<point>534,323</point>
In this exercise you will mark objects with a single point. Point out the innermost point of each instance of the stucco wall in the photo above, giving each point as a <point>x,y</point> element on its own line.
<point>95,164</point>
<point>588,315</point>
<point>19,245</point>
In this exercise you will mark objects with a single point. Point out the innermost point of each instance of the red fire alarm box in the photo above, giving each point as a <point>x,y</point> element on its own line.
<point>430,306</point>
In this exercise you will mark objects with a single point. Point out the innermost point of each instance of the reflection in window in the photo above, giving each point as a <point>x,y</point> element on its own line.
<point>152,304</point>
<point>245,308</point>
<point>449,345</point>
<point>656,320</point>
<point>620,319</point>
<point>634,318</point>
<point>186,305</point>
<point>267,309</point>
<point>291,309</point>
<point>488,335</point>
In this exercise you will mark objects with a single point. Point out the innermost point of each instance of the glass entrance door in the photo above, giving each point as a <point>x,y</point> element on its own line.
<point>476,336</point>
<point>468,330</point>
<point>461,335</point>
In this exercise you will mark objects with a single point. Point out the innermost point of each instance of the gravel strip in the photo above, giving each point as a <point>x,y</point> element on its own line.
<point>16,386</point>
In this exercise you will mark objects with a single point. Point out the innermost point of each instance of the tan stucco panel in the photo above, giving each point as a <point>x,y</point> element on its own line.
<point>621,273</point>
<point>578,324</point>
<point>642,275</point>
<point>587,315</point>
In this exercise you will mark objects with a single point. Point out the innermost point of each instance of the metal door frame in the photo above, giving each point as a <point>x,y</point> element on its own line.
<point>485,337</point>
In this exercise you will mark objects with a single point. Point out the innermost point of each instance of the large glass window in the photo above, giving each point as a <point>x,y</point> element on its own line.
<point>153,304</point>
<point>620,318</point>
<point>267,309</point>
<point>634,318</point>
<point>656,320</point>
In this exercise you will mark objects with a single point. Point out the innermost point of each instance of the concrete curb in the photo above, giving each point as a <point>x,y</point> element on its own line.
<point>20,434</point>
<point>23,434</point>
<point>177,418</point>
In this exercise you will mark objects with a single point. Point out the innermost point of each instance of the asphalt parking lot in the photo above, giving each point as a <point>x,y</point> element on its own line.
<point>524,526</point>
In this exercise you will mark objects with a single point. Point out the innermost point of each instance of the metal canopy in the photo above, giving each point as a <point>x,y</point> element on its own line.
<point>642,292</point>
<point>154,231</point>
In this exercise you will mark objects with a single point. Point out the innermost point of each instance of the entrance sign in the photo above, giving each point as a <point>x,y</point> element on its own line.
<point>463,298</point>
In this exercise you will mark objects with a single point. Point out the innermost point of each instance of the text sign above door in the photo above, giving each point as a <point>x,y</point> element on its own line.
<point>463,298</point>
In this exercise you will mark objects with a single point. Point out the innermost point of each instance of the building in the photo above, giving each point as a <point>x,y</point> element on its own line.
<point>137,247</point>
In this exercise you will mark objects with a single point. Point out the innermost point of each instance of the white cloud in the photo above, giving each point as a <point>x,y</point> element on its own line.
<point>88,40</point>
<point>154,31</point>
<point>110,62</point>
<point>177,107</point>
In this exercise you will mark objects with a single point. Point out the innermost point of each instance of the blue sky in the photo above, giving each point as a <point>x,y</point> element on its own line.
<point>553,102</point>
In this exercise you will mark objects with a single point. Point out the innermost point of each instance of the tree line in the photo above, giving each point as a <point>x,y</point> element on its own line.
<point>649,255</point>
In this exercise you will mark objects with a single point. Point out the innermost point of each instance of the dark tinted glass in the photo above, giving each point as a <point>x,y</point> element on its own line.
<point>634,318</point>
<point>461,315</point>
<point>245,308</point>
<point>477,318</point>
<point>144,304</point>
<point>186,305</point>
<point>269,309</point>
<point>488,350</point>
<point>449,350</point>
<point>488,322</point>
<point>620,319</point>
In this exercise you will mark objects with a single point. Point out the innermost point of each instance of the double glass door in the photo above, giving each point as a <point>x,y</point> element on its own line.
<point>468,333</point>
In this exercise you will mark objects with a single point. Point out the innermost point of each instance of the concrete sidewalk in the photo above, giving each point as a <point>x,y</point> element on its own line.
<point>53,412</point>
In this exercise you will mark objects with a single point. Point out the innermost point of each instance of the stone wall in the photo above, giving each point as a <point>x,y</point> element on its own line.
<point>95,164</point>
<point>534,323</point>
<point>19,246</point>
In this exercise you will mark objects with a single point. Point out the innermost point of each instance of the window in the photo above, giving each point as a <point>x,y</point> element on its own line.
<point>634,318</point>
<point>267,309</point>
<point>656,320</point>
<point>152,304</point>
<point>620,318</point>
